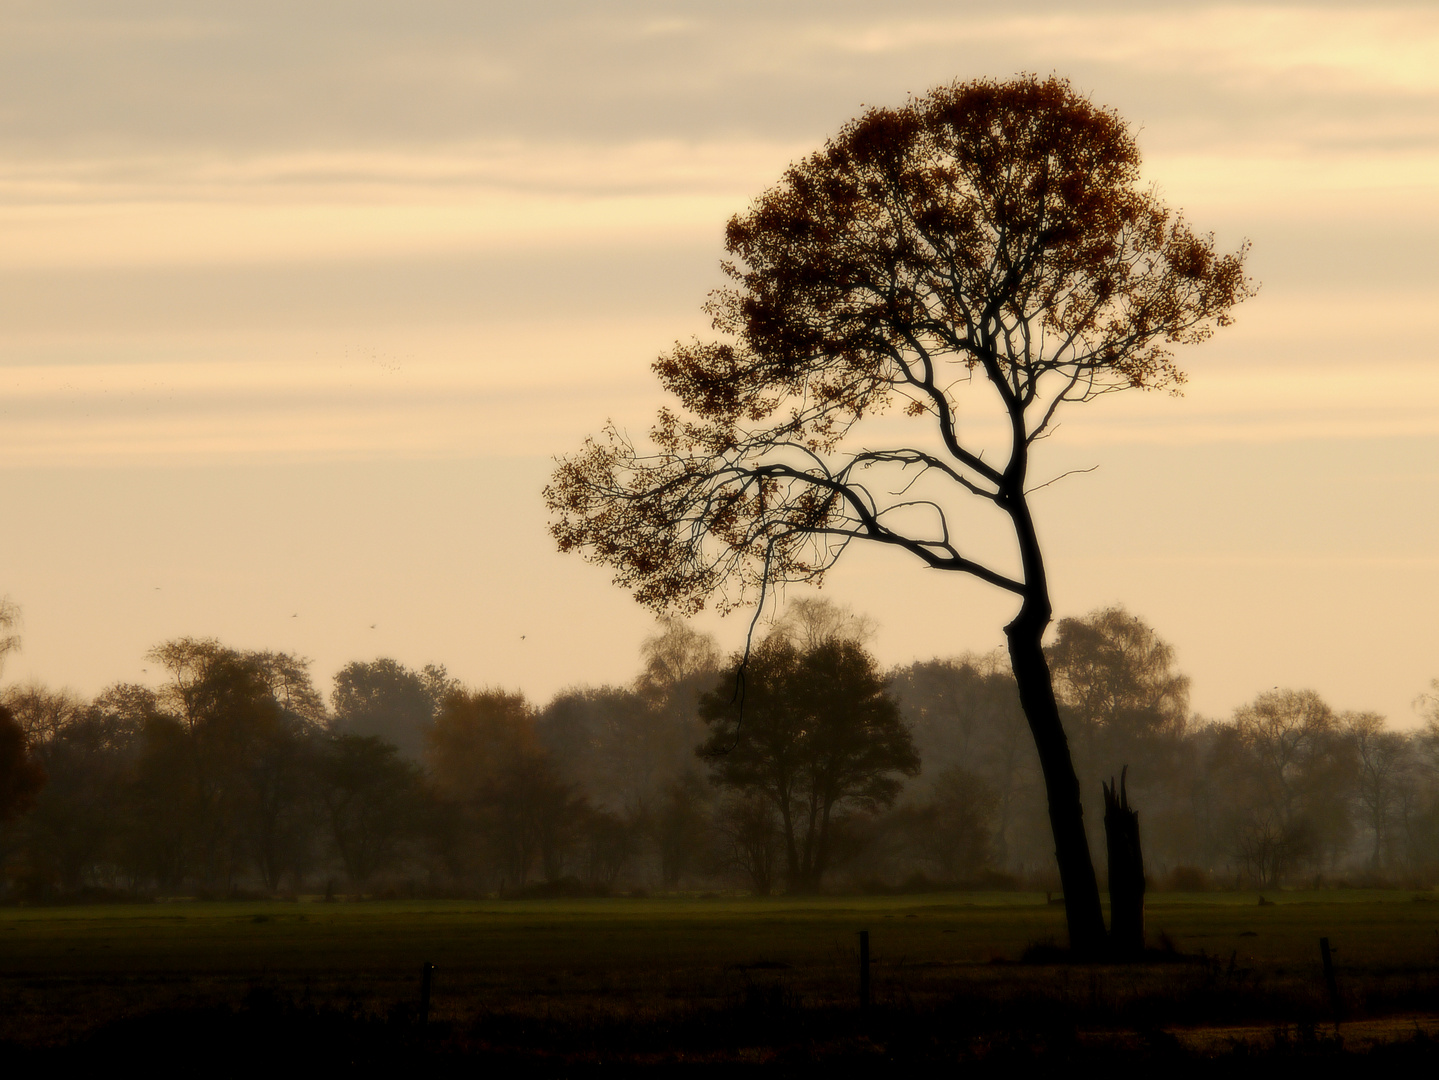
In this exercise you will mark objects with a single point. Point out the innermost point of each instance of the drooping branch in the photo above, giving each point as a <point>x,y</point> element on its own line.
<point>675,527</point>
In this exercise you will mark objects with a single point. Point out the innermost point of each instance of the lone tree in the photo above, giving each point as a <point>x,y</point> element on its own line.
<point>985,246</point>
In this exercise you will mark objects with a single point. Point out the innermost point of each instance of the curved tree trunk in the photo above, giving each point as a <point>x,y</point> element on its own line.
<point>1066,812</point>
<point>1025,634</point>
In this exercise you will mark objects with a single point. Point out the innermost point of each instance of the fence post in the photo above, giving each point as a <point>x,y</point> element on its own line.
<point>864,969</point>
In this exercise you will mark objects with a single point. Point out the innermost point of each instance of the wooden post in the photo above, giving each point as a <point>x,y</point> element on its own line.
<point>1326,955</point>
<point>864,969</point>
<point>425,993</point>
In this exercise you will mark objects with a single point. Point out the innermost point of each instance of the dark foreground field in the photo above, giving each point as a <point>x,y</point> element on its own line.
<point>560,985</point>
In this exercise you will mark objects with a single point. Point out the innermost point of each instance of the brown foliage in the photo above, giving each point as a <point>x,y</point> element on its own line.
<point>486,760</point>
<point>991,228</point>
<point>478,737</point>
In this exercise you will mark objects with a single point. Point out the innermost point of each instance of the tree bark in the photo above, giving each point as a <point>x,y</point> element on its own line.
<point>1126,871</point>
<point>1066,812</point>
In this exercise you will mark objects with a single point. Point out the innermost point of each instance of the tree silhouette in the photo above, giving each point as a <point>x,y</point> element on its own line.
<point>952,831</point>
<point>1115,675</point>
<point>72,825</point>
<point>751,839</point>
<point>372,800</point>
<point>485,759</point>
<point>384,698</point>
<point>986,245</point>
<point>21,776</point>
<point>818,731</point>
<point>1381,760</point>
<point>1292,789</point>
<point>249,718</point>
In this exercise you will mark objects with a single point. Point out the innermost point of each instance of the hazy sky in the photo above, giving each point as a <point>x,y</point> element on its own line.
<point>298,300</point>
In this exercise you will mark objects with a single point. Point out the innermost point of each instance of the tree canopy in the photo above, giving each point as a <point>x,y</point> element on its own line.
<point>1113,672</point>
<point>989,232</point>
<point>386,699</point>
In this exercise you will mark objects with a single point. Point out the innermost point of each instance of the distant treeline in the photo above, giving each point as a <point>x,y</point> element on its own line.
<point>810,768</point>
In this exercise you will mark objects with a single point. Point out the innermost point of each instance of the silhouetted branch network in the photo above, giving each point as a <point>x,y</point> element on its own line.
<point>991,229</point>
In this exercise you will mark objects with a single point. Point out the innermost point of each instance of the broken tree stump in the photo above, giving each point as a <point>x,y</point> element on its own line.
<point>1126,871</point>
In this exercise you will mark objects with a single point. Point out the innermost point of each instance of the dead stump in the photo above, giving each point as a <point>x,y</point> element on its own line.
<point>1126,871</point>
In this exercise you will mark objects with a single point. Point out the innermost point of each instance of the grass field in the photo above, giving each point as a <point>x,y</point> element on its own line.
<point>573,976</point>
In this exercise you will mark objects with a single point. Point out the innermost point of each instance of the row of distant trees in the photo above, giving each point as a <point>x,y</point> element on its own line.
<point>808,766</point>
<point>1286,790</point>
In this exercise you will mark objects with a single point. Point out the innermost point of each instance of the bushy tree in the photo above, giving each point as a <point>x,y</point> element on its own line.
<point>680,823</point>
<point>1382,761</point>
<point>373,801</point>
<point>42,713</point>
<point>1115,675</point>
<point>166,832</point>
<point>250,720</point>
<point>815,732</point>
<point>675,655</point>
<point>486,760</point>
<point>610,741</point>
<point>72,830</point>
<point>386,700</point>
<point>1125,706</point>
<point>626,745</point>
<point>9,622</point>
<point>1288,797</point>
<point>812,621</point>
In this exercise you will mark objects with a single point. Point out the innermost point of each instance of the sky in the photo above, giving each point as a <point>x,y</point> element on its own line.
<point>298,302</point>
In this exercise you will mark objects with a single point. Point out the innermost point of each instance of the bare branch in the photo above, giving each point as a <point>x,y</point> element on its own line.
<point>1057,479</point>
